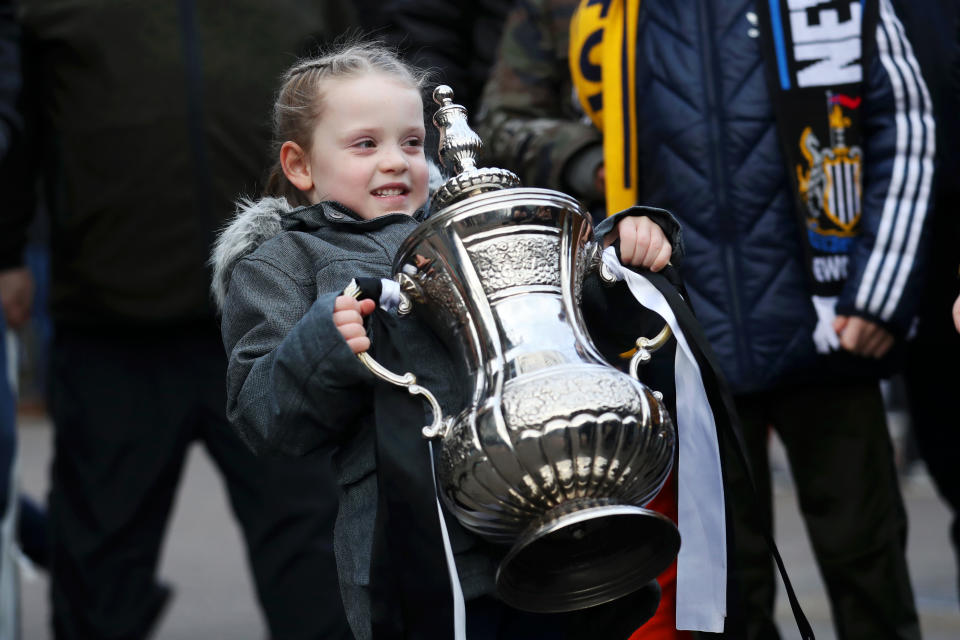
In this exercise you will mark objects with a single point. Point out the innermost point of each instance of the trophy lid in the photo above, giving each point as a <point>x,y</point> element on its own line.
<point>459,146</point>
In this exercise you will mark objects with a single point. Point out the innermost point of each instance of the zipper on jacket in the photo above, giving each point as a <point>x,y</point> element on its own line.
<point>711,83</point>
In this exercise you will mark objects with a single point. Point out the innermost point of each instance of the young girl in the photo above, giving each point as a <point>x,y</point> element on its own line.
<point>350,184</point>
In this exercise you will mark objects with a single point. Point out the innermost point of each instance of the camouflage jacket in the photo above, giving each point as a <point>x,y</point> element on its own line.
<point>524,126</point>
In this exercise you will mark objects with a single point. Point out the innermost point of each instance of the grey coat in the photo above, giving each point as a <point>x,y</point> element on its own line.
<point>294,385</point>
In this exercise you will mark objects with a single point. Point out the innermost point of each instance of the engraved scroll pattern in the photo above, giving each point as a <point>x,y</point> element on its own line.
<point>563,396</point>
<point>512,261</point>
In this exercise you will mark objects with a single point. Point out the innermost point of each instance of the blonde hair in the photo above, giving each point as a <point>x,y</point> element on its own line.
<point>299,101</point>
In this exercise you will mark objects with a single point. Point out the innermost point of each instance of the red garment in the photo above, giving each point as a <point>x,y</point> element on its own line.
<point>663,625</point>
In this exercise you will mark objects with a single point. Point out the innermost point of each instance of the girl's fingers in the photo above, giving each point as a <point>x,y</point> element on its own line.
<point>346,303</point>
<point>351,331</point>
<point>341,318</point>
<point>643,244</point>
<point>359,345</point>
<point>654,245</point>
<point>348,313</point>
<point>662,258</point>
<point>628,241</point>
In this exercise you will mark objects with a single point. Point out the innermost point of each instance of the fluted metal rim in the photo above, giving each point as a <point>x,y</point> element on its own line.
<point>574,581</point>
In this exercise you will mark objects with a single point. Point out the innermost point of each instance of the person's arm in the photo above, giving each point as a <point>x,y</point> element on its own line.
<point>879,299</point>
<point>528,120</point>
<point>293,382</point>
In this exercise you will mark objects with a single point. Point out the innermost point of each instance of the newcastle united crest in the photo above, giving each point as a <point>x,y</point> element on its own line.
<point>830,184</point>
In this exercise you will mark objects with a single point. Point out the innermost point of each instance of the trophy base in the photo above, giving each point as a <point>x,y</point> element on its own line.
<point>593,555</point>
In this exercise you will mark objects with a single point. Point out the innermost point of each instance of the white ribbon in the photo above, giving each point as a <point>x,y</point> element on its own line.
<point>459,608</point>
<point>702,562</point>
<point>389,294</point>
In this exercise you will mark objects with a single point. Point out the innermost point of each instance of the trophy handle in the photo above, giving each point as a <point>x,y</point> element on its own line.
<point>439,427</point>
<point>645,346</point>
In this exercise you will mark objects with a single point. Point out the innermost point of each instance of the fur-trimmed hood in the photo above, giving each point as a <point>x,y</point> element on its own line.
<point>253,224</point>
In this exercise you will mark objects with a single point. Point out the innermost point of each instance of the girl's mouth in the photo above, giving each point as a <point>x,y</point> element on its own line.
<point>389,192</point>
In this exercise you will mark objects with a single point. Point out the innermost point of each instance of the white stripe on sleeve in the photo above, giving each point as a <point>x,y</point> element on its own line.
<point>905,206</point>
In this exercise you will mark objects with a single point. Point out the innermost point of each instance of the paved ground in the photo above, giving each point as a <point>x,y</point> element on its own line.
<point>204,559</point>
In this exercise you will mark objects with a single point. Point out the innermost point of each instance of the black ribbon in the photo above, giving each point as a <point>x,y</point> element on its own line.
<point>410,592</point>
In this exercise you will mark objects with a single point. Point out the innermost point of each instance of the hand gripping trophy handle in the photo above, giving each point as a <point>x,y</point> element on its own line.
<point>645,346</point>
<point>438,428</point>
<point>458,149</point>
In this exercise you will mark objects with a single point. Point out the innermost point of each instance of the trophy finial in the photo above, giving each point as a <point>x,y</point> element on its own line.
<point>443,95</point>
<point>459,144</point>
<point>458,150</point>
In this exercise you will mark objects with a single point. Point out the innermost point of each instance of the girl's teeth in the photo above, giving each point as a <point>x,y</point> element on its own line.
<point>388,192</point>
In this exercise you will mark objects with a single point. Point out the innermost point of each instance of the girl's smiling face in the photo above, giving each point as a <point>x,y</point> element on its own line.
<point>367,149</point>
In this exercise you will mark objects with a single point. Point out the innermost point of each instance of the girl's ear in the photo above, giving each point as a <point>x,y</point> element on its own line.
<point>296,166</point>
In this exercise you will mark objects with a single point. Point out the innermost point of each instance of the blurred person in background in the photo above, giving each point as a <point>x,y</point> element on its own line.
<point>16,289</point>
<point>529,116</point>
<point>794,142</point>
<point>145,122</point>
<point>460,39</point>
<point>934,28</point>
<point>455,39</point>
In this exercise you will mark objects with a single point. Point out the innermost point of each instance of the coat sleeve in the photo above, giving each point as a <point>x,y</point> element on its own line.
<point>528,119</point>
<point>884,276</point>
<point>293,384</point>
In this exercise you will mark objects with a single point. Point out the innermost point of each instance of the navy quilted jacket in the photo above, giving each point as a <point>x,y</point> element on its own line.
<point>709,152</point>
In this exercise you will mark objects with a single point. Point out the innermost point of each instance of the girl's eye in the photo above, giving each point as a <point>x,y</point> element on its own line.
<point>413,142</point>
<point>364,144</point>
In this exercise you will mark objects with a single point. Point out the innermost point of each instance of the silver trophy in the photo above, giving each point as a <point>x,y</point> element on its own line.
<point>556,450</point>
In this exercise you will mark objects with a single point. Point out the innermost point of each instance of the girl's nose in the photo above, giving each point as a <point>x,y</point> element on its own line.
<point>393,159</point>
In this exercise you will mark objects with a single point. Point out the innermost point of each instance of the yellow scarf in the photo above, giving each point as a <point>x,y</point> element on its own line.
<point>602,66</point>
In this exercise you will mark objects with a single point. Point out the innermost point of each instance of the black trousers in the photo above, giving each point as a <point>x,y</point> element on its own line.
<point>841,458</point>
<point>125,411</point>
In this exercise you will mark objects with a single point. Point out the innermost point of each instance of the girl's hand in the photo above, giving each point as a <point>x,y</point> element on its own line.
<point>642,243</point>
<point>348,314</point>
